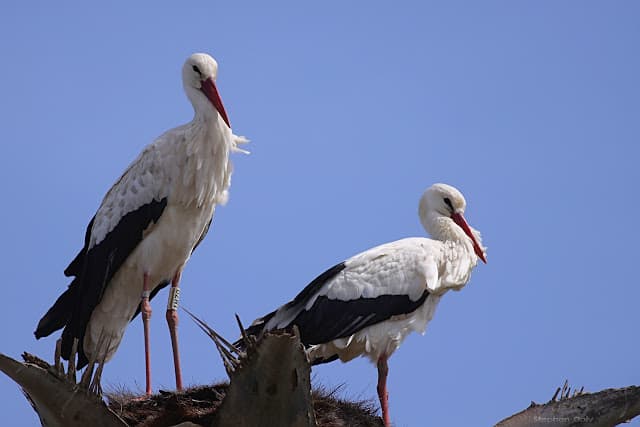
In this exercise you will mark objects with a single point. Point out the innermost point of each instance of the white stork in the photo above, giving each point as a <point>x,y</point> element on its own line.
<point>368,304</point>
<point>146,228</point>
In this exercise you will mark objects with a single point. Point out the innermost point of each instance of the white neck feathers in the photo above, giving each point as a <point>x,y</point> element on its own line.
<point>206,170</point>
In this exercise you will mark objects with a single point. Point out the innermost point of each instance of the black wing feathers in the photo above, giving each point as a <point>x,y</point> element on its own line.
<point>75,267</point>
<point>317,283</point>
<point>330,319</point>
<point>59,313</point>
<point>258,325</point>
<point>94,268</point>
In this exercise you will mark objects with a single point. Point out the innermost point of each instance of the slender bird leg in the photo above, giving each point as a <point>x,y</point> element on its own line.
<point>383,370</point>
<point>145,309</point>
<point>172,321</point>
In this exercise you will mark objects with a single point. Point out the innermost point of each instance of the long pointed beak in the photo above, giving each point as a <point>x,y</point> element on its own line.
<point>211,91</point>
<point>459,219</point>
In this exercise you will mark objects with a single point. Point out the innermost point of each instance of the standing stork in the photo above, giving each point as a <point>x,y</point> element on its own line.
<point>368,304</point>
<point>146,228</point>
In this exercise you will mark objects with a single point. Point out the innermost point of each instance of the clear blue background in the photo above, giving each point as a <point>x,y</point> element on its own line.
<point>531,108</point>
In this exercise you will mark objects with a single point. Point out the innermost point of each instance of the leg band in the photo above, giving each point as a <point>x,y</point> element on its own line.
<point>174,298</point>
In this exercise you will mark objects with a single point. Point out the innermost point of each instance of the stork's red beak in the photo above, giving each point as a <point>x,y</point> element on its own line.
<point>459,219</point>
<point>211,91</point>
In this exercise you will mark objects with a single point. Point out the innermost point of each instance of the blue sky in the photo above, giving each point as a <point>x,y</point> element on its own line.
<point>532,109</point>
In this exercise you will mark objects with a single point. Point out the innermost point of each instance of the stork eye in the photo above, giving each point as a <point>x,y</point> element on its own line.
<point>448,202</point>
<point>196,69</point>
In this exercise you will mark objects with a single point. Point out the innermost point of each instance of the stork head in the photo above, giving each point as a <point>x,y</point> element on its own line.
<point>199,74</point>
<point>441,212</point>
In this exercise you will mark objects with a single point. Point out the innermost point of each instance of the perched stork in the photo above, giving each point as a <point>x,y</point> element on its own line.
<point>146,228</point>
<point>368,304</point>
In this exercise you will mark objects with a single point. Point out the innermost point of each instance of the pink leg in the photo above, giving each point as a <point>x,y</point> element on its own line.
<point>383,370</point>
<point>146,316</point>
<point>172,321</point>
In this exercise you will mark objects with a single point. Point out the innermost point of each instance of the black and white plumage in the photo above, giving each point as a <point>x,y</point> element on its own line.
<point>148,223</point>
<point>368,304</point>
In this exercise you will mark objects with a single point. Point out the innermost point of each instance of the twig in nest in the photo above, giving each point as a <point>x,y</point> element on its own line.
<point>224,347</point>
